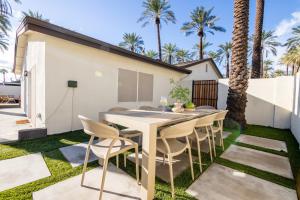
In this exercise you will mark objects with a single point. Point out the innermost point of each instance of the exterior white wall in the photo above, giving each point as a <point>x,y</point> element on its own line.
<point>295,119</point>
<point>10,90</point>
<point>97,74</point>
<point>33,86</point>
<point>202,71</point>
<point>270,101</point>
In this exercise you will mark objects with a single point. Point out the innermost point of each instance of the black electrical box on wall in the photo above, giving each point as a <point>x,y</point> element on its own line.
<point>72,84</point>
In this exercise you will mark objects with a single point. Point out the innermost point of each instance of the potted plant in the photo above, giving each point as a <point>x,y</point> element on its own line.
<point>180,94</point>
<point>189,106</point>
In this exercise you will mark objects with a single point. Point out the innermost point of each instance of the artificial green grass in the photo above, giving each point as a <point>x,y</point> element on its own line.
<point>60,169</point>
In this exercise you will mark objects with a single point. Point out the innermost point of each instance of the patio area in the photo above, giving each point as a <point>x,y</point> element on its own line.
<point>267,174</point>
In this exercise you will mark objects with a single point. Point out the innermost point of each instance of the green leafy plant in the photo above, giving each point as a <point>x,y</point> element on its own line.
<point>179,93</point>
<point>189,105</point>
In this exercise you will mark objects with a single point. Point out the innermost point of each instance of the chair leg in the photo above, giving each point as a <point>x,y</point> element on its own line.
<point>103,177</point>
<point>164,159</point>
<point>137,163</point>
<point>199,155</point>
<point>86,159</point>
<point>117,161</point>
<point>191,162</point>
<point>213,142</point>
<point>171,175</point>
<point>125,164</point>
<point>221,139</point>
<point>140,140</point>
<point>210,149</point>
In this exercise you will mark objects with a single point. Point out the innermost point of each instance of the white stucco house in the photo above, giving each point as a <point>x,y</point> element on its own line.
<point>64,73</point>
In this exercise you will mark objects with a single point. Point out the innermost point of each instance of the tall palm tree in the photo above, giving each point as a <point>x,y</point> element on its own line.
<point>5,7</point>
<point>3,72</point>
<point>152,54</point>
<point>205,45</point>
<point>277,73</point>
<point>202,21</point>
<point>157,11</point>
<point>292,59</point>
<point>238,79</point>
<point>267,68</point>
<point>257,40</point>
<point>224,53</point>
<point>183,55</point>
<point>169,52</point>
<point>294,41</point>
<point>35,14</point>
<point>4,24</point>
<point>132,42</point>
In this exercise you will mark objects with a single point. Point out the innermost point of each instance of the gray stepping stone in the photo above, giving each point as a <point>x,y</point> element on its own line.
<point>75,154</point>
<point>118,185</point>
<point>263,142</point>
<point>269,162</point>
<point>22,170</point>
<point>222,183</point>
<point>180,163</point>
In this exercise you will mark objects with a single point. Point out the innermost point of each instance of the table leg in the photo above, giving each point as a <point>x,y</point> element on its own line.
<point>148,162</point>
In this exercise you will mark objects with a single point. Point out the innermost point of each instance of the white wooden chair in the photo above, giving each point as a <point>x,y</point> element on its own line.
<point>126,133</point>
<point>218,127</point>
<point>202,131</point>
<point>168,144</point>
<point>110,144</point>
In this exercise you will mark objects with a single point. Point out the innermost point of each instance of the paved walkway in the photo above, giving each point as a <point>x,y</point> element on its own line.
<point>222,183</point>
<point>8,127</point>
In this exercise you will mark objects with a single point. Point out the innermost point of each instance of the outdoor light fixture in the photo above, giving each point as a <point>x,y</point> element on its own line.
<point>25,73</point>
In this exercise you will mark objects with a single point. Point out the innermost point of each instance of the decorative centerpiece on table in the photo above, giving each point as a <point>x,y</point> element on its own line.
<point>189,106</point>
<point>180,94</point>
<point>164,103</point>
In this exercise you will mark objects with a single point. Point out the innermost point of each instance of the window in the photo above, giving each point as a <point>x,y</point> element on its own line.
<point>134,86</point>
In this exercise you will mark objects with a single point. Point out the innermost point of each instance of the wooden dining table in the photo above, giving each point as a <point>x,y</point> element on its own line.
<point>149,122</point>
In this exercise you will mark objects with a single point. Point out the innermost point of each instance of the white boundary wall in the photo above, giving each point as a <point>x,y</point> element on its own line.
<point>10,90</point>
<point>270,101</point>
<point>295,121</point>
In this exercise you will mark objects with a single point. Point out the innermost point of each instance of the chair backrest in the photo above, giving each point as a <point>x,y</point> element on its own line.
<point>178,130</point>
<point>206,121</point>
<point>220,116</point>
<point>98,129</point>
<point>149,108</point>
<point>117,109</point>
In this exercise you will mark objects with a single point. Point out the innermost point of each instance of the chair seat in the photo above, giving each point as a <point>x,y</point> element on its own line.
<point>100,148</point>
<point>175,146</point>
<point>129,133</point>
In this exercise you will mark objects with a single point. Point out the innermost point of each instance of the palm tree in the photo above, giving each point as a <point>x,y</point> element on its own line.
<point>202,21</point>
<point>132,42</point>
<point>152,54</point>
<point>183,55</point>
<point>4,24</point>
<point>205,45</point>
<point>3,71</point>
<point>267,68</point>
<point>294,41</point>
<point>214,55</point>
<point>5,8</point>
<point>3,43</point>
<point>224,52</point>
<point>257,40</point>
<point>277,73</point>
<point>238,78</point>
<point>35,14</point>
<point>292,59</point>
<point>157,11</point>
<point>169,52</point>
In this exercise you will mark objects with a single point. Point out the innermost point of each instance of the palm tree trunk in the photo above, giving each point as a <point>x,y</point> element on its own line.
<point>262,63</point>
<point>238,81</point>
<point>3,74</point>
<point>227,66</point>
<point>256,56</point>
<point>293,70</point>
<point>201,45</point>
<point>287,70</point>
<point>158,38</point>
<point>170,59</point>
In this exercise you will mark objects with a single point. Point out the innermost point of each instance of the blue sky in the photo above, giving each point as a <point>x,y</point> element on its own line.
<point>107,20</point>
